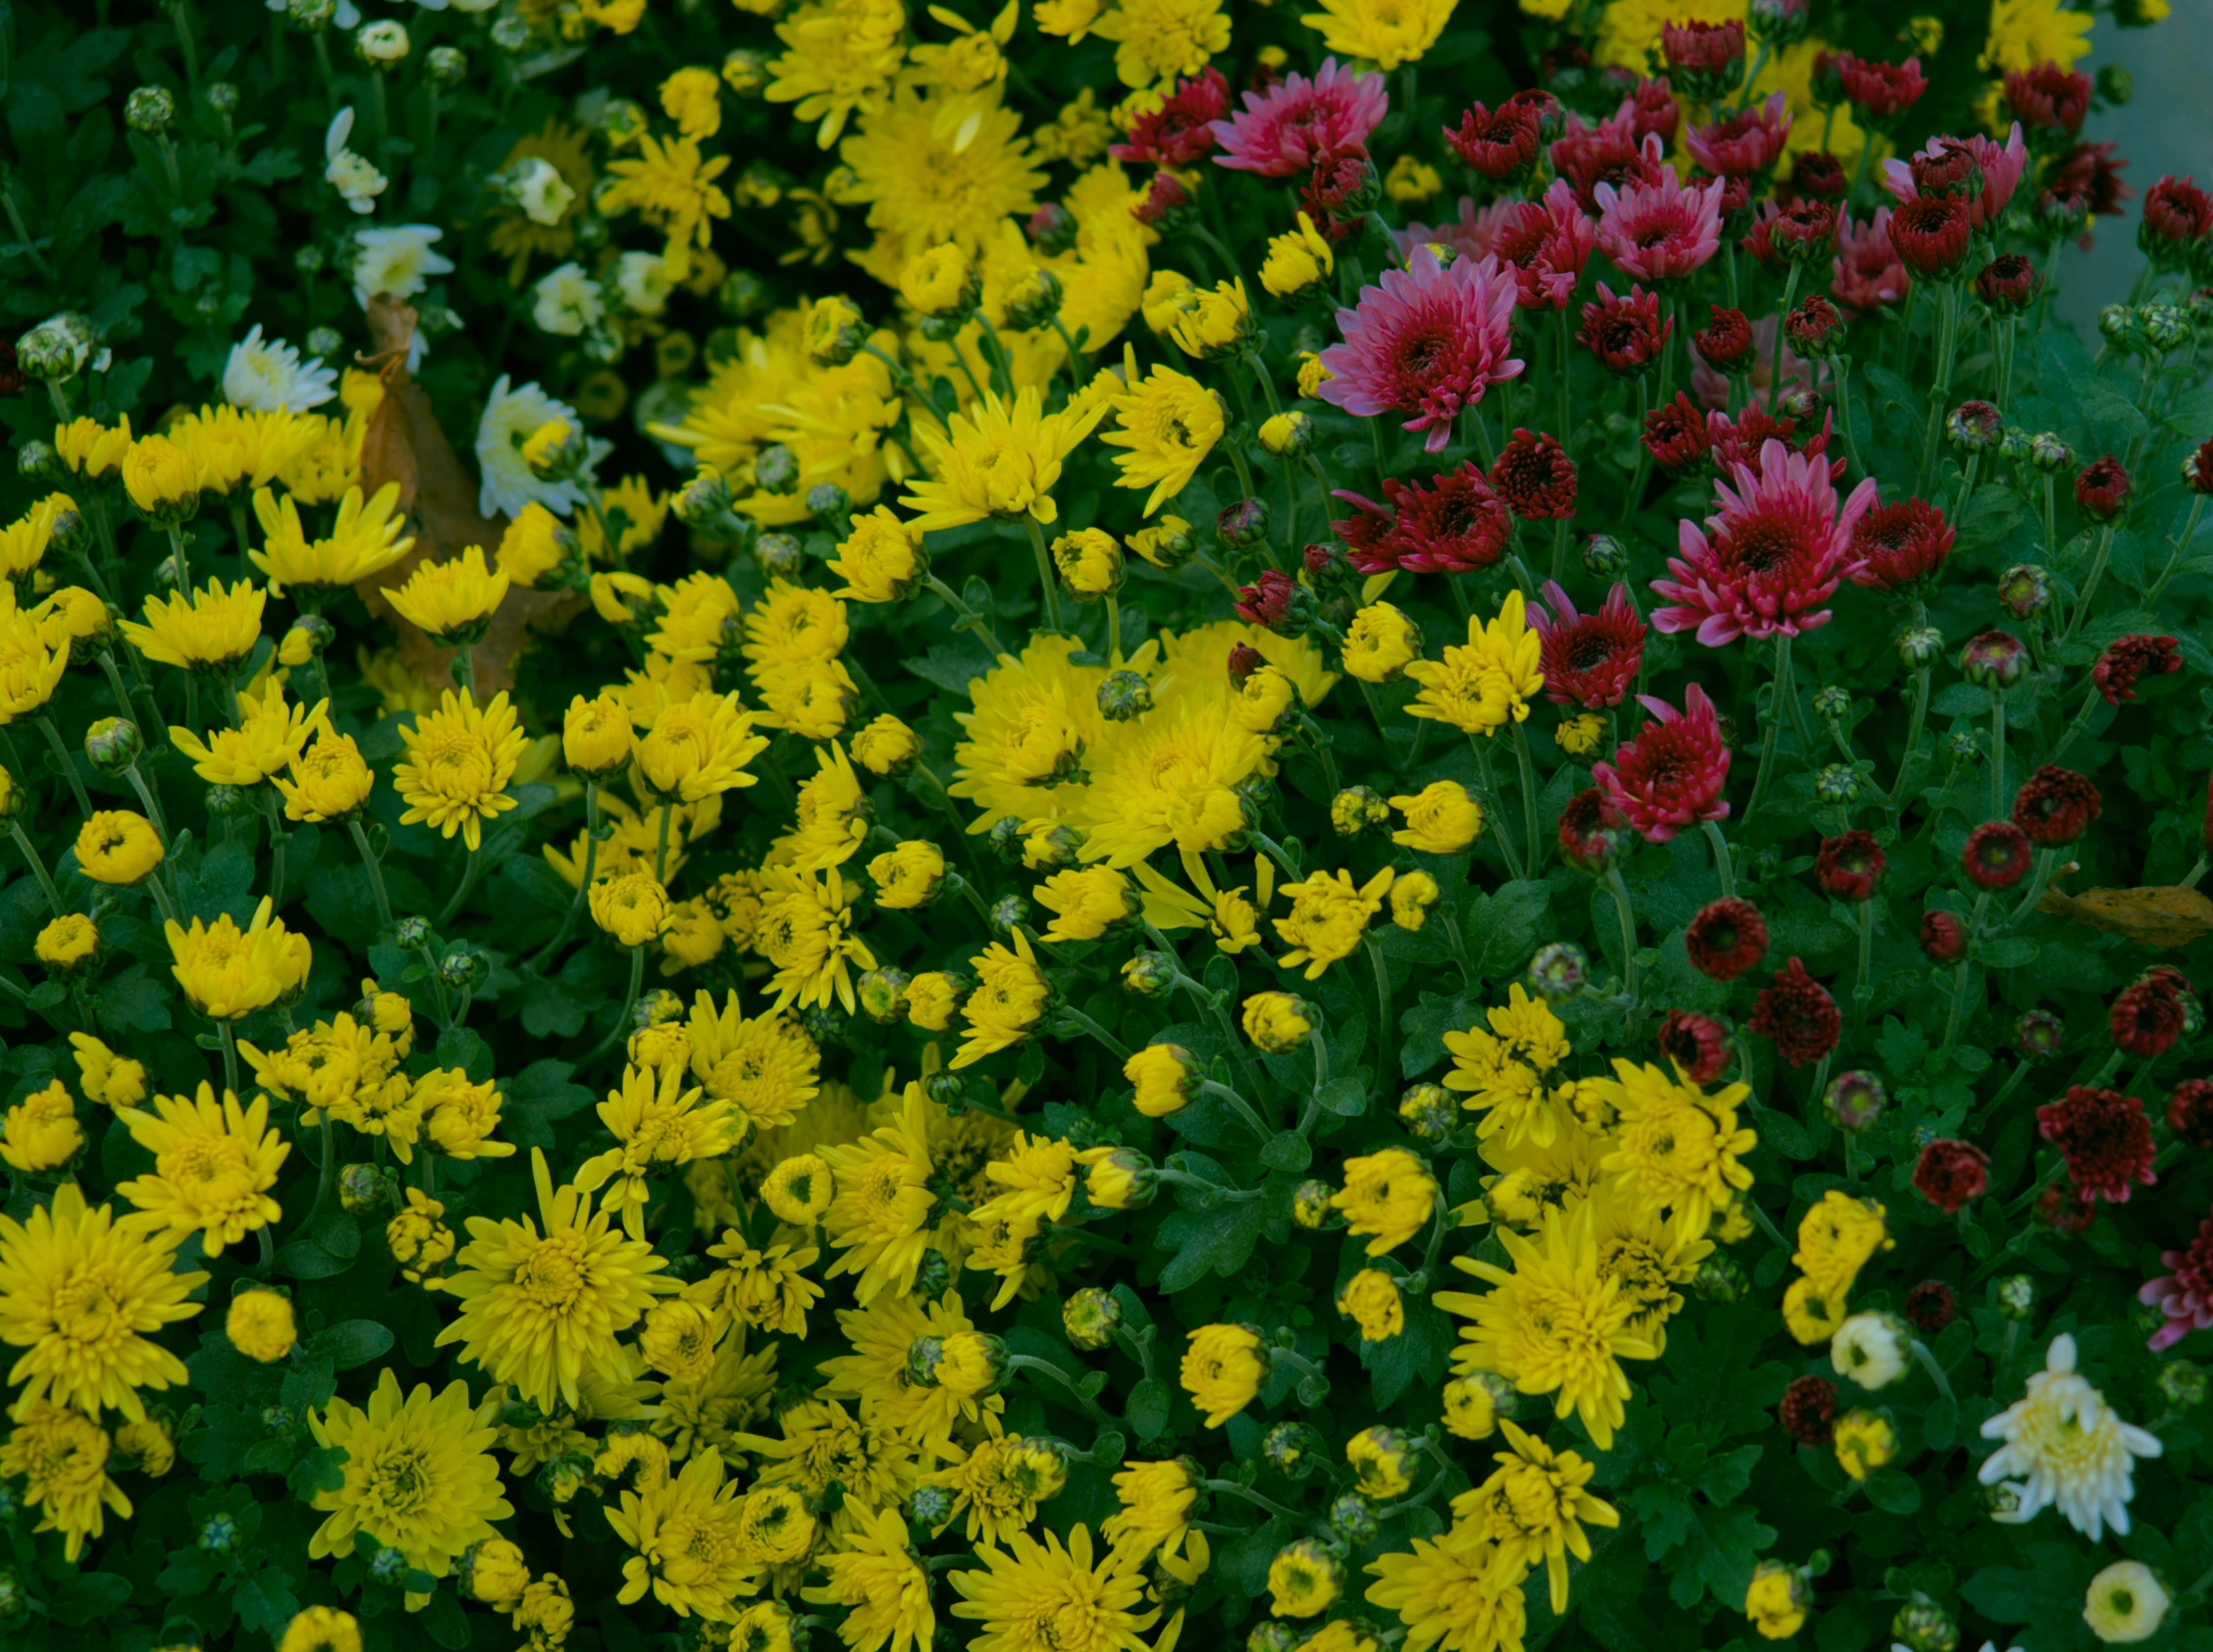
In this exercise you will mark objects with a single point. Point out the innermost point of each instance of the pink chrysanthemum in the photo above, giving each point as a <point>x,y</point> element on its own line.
<point>1652,112</point>
<point>1741,440</point>
<point>1746,143</point>
<point>1427,340</point>
<point>1609,153</point>
<point>2185,1292</point>
<point>1672,774</point>
<point>1285,130</point>
<point>1663,230</point>
<point>1589,658</point>
<point>1545,244</point>
<point>1776,550</point>
<point>1455,525</point>
<point>2001,170</point>
<point>1866,273</point>
<point>1474,234</point>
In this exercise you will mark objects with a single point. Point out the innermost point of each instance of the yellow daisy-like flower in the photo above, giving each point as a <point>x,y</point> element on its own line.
<point>82,1297</point>
<point>1329,918</point>
<point>840,60</point>
<point>451,601</point>
<point>419,1475</point>
<point>61,1457</point>
<point>879,1218</point>
<point>227,972</point>
<point>2025,33</point>
<point>1387,33</point>
<point>1554,1324</point>
<point>657,1122</point>
<point>540,1308</point>
<point>459,760</point>
<point>808,932</point>
<point>212,630</point>
<point>688,1542</point>
<point>1171,777</point>
<point>1222,1370</point>
<point>329,781</point>
<point>1676,1146</point>
<point>40,1133</point>
<point>1167,424</point>
<point>938,167</point>
<point>1388,1195</point>
<point>996,461</point>
<point>364,542</point>
<point>875,1574</point>
<point>1010,998</point>
<point>1452,1591</point>
<point>269,737</point>
<point>1534,1508</point>
<point>1162,40</point>
<point>672,186</point>
<point>1491,681</point>
<point>698,749</point>
<point>1031,1596</point>
<point>213,1165</point>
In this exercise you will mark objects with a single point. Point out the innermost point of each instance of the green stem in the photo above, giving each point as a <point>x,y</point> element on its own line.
<point>468,882</point>
<point>1620,893</point>
<point>1384,1027</point>
<point>38,866</point>
<point>1997,753</point>
<point>1045,579</point>
<point>376,873</point>
<point>1529,798</point>
<point>68,763</point>
<point>1775,724</point>
<point>1496,812</point>
<point>630,1003</point>
<point>1721,866</point>
<point>2089,585</point>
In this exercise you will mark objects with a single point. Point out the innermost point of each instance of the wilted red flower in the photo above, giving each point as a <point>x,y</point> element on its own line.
<point>2185,1292</point>
<point>1295,123</point>
<point>1608,152</point>
<point>2190,1112</point>
<point>1808,1412</point>
<point>2055,806</point>
<point>2128,660</point>
<point>1455,525</point>
<point>2008,284</point>
<point>1931,1306</point>
<point>1797,1013</point>
<point>2048,97</point>
<point>1268,603</point>
<point>1697,1043</point>
<point>1589,659</point>
<point>1341,188</point>
<point>1900,543</point>
<point>1497,145</point>
<point>1676,436</point>
<point>1997,855</point>
<point>1865,274</point>
<point>2176,214</point>
<point>1180,131</point>
<point>1942,937</point>
<point>1535,477</point>
<point>1818,175</point>
<point>2087,179</point>
<point>1813,328</point>
<point>1744,144</point>
<point>1726,938</point>
<point>1590,832</point>
<point>2197,468</point>
<point>1849,865</point>
<point>1725,343</point>
<point>1931,235</point>
<point>2105,1140</point>
<point>2103,488</point>
<point>1880,90</point>
<point>1952,1174</point>
<point>2064,1210</point>
<point>1625,332</point>
<point>1672,774</point>
<point>1243,661</point>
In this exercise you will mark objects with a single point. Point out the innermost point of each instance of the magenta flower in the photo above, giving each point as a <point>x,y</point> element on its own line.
<point>1181,131</point>
<point>1659,231</point>
<point>1474,234</point>
<point>1865,272</point>
<point>1713,388</point>
<point>2002,170</point>
<point>1454,525</point>
<point>1745,144</point>
<point>1426,340</point>
<point>1609,153</point>
<point>1776,550</point>
<point>2185,1295</point>
<point>1287,128</point>
<point>1672,774</point>
<point>1741,440</point>
<point>1589,659</point>
<point>1546,243</point>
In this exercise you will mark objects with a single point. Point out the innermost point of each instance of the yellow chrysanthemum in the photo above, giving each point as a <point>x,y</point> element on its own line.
<point>213,1165</point>
<point>459,760</point>
<point>418,1471</point>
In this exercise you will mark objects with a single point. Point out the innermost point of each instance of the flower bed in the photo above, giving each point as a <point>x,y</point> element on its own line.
<point>1070,828</point>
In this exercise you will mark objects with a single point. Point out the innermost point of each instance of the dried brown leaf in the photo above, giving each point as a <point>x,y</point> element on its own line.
<point>2163,917</point>
<point>406,444</point>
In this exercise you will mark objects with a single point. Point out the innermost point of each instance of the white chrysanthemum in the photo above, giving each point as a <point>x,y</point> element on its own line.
<point>539,191</point>
<point>645,280</point>
<point>568,302</point>
<point>352,175</point>
<point>511,415</point>
<point>1871,1349</point>
<point>269,377</point>
<point>2125,1603</point>
<point>398,261</point>
<point>2065,1446</point>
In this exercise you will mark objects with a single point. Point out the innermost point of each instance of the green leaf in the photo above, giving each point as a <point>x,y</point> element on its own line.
<point>1718,1558</point>
<point>1218,1241</point>
<point>537,882</point>
<point>1347,1097</point>
<point>1503,927</point>
<point>537,1098</point>
<point>82,1597</point>
<point>1148,1408</point>
<point>1424,1027</point>
<point>952,666</point>
<point>1288,1150</point>
<point>1725,1477</point>
<point>265,1602</point>
<point>1894,1490</point>
<point>2008,951</point>
<point>188,1572</point>
<point>135,1003</point>
<point>308,1380</point>
<point>352,1342</point>
<point>1417,1354</point>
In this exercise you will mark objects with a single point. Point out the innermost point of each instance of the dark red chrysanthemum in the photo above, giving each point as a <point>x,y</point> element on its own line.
<point>2105,1140</point>
<point>2008,284</point>
<point>2197,468</point>
<point>1624,333</point>
<point>1590,832</point>
<point>1739,442</point>
<point>1697,1043</point>
<point>2047,99</point>
<point>1799,232</point>
<point>2064,1210</point>
<point>1341,187</point>
<point>1900,543</point>
<point>1497,145</point>
<point>1815,328</point>
<point>1818,175</point>
<point>1866,273</point>
<point>1931,235</point>
<point>1708,58</point>
<point>2128,660</point>
<point>1808,1412</point>
<point>1243,661</point>
<point>2176,214</point>
<point>1535,477</point>
<point>1952,1174</point>
<point>1725,342</point>
<point>1849,865</point>
<point>1165,196</point>
<point>1455,525</point>
<point>2088,181</point>
<point>1797,1013</point>
<point>2103,488</point>
<point>1180,131</point>
<point>1942,939</point>
<point>1880,90</point>
<point>1544,242</point>
<point>1676,436</point>
<point>2190,1112</point>
<point>2151,1013</point>
<point>1589,659</point>
<point>2055,806</point>
<point>1997,855</point>
<point>1608,152</point>
<point>1268,602</point>
<point>1726,938</point>
<point>1652,111</point>
<point>1744,144</point>
<point>1672,774</point>
<point>1931,1306</point>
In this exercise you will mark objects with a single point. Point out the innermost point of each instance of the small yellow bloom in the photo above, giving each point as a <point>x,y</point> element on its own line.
<point>1411,898</point>
<point>451,601</point>
<point>1386,33</point>
<point>212,630</point>
<point>799,1190</point>
<point>596,735</point>
<point>693,98</point>
<point>533,546</point>
<point>933,998</point>
<point>228,973</point>
<point>330,780</point>
<point>161,479</point>
<point>2125,1603</point>
<point>1089,563</point>
<point>1276,1023</point>
<point>1085,903</point>
<point>1441,819</point>
<point>938,282</point>
<point>908,875</point>
<point>1222,1370</point>
<point>1777,1601</point>
<point>1411,182</point>
<point>71,939</point>
<point>699,749</point>
<point>1865,1441</point>
<point>1380,643</point>
<point>1166,1078</point>
<point>106,1077</point>
<point>1579,735</point>
<point>459,760</point>
<point>880,560</point>
<point>1297,260</point>
<point>886,746</point>
<point>260,1326</point>
<point>632,908</point>
<point>118,847</point>
<point>40,1133</point>
<point>1303,1580</point>
<point>1371,1301</point>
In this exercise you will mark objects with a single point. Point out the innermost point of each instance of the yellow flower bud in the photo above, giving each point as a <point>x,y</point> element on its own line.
<point>634,908</point>
<point>260,1326</point>
<point>1297,260</point>
<point>1089,563</point>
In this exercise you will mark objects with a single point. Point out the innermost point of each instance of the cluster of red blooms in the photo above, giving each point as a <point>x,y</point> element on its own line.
<point>1462,519</point>
<point>2128,660</point>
